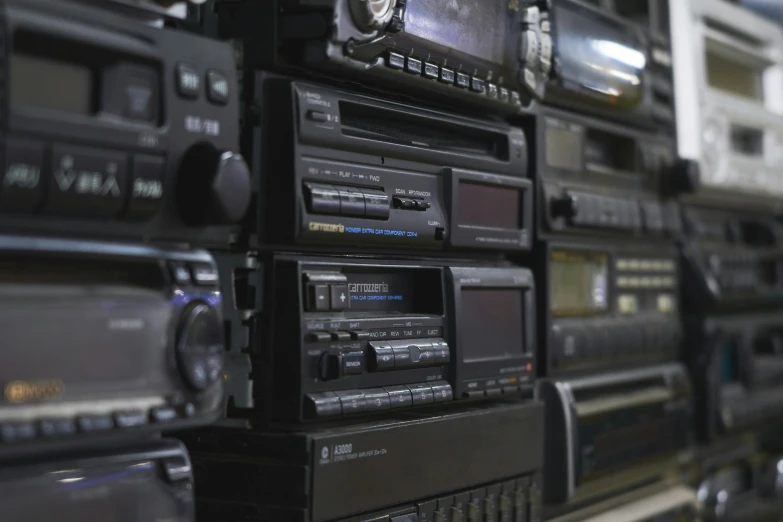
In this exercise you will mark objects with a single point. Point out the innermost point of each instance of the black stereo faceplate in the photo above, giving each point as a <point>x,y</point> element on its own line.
<point>606,305</point>
<point>599,179</point>
<point>345,169</point>
<point>471,455</point>
<point>736,363</point>
<point>350,336</point>
<point>108,155</point>
<point>105,341</point>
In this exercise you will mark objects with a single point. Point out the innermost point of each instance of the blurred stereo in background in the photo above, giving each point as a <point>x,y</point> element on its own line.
<point>105,341</point>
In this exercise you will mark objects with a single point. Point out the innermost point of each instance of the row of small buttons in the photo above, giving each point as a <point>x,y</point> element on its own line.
<point>410,203</point>
<point>346,201</point>
<point>325,297</point>
<point>432,71</point>
<point>574,345</point>
<point>62,427</point>
<point>646,265</point>
<point>201,274</point>
<point>347,402</point>
<point>402,355</point>
<point>511,501</point>
<point>607,212</point>
<point>80,181</point>
<point>510,389</point>
<point>189,84</point>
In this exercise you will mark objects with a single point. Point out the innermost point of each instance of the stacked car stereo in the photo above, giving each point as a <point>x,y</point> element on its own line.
<point>391,261</point>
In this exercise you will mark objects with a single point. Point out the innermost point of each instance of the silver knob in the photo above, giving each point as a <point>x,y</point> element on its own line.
<point>371,14</point>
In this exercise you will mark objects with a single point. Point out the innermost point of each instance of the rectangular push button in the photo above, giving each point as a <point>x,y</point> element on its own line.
<point>376,204</point>
<point>351,201</point>
<point>322,199</point>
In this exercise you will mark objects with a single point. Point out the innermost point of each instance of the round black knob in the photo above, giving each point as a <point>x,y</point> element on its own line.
<point>200,349</point>
<point>565,206</point>
<point>213,187</point>
<point>371,14</point>
<point>685,176</point>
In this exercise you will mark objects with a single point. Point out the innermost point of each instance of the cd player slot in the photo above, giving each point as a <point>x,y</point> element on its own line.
<point>387,126</point>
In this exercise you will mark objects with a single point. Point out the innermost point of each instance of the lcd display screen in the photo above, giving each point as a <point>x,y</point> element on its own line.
<point>734,77</point>
<point>578,283</point>
<point>49,84</point>
<point>474,28</point>
<point>131,492</point>
<point>491,323</point>
<point>488,206</point>
<point>600,57</point>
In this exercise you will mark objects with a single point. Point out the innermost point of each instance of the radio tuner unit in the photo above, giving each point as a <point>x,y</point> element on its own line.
<point>607,306</point>
<point>355,171</point>
<point>105,340</point>
<point>729,86</point>
<point>613,59</point>
<point>117,129</point>
<point>493,55</point>
<point>614,431</point>
<point>731,260</point>
<point>736,363</point>
<point>600,178</point>
<point>367,337</point>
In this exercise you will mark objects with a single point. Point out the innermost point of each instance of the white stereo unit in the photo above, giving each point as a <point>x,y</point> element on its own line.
<point>728,75</point>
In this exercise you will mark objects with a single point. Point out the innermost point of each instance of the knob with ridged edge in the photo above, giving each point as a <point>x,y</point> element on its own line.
<point>213,186</point>
<point>370,15</point>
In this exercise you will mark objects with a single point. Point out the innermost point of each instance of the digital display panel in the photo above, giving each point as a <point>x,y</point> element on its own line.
<point>600,57</point>
<point>470,27</point>
<point>389,291</point>
<point>578,283</point>
<point>49,84</point>
<point>734,77</point>
<point>131,492</point>
<point>492,323</point>
<point>488,206</point>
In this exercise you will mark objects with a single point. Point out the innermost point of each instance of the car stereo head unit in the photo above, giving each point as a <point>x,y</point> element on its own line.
<point>117,129</point>
<point>613,431</point>
<point>736,362</point>
<point>607,307</point>
<point>141,483</point>
<point>483,464</point>
<point>729,85</point>
<point>730,260</point>
<point>492,55</point>
<point>378,336</point>
<point>105,340</point>
<point>340,168</point>
<point>596,177</point>
<point>613,59</point>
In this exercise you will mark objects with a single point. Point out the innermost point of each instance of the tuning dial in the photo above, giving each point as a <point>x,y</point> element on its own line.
<point>200,349</point>
<point>213,186</point>
<point>565,206</point>
<point>371,15</point>
<point>685,176</point>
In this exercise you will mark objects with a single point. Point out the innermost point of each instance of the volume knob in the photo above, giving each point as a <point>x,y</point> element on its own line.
<point>200,348</point>
<point>370,15</point>
<point>213,187</point>
<point>565,206</point>
<point>685,176</point>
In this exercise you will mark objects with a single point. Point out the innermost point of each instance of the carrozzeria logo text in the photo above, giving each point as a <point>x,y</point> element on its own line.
<point>368,288</point>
